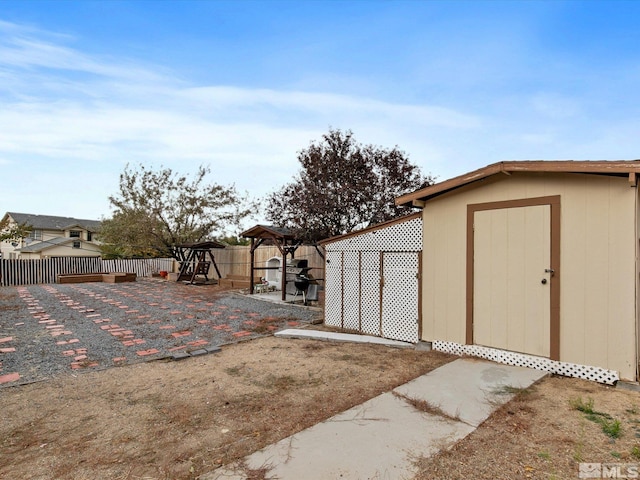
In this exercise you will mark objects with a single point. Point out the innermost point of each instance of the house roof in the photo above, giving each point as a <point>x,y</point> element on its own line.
<point>50,222</point>
<point>44,245</point>
<point>603,167</point>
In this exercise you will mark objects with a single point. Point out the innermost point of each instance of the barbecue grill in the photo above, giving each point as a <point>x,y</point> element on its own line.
<point>302,285</point>
<point>293,269</point>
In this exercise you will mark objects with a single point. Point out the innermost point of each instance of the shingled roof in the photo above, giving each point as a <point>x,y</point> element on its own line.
<point>41,246</point>
<point>49,222</point>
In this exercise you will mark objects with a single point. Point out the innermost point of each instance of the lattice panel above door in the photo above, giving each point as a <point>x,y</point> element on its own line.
<point>401,236</point>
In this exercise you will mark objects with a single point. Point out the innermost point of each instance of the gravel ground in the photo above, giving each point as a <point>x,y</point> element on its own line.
<point>47,330</point>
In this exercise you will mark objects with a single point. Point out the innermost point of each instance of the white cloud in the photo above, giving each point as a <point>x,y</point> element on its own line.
<point>326,104</point>
<point>122,113</point>
<point>29,49</point>
<point>77,118</point>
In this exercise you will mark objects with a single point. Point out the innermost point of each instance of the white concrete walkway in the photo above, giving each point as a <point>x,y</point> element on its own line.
<point>380,438</point>
<point>340,337</point>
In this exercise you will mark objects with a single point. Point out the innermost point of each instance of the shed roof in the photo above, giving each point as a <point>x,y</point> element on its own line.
<point>602,167</point>
<point>50,222</point>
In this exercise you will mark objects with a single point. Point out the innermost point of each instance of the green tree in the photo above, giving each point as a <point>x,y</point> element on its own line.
<point>343,186</point>
<point>156,210</point>
<point>13,232</point>
<point>234,240</point>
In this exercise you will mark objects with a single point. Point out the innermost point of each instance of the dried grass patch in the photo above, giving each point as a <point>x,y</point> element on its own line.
<point>540,434</point>
<point>178,420</point>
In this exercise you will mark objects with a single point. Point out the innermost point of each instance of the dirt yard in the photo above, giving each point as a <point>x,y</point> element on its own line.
<point>166,419</point>
<point>545,433</point>
<point>177,420</point>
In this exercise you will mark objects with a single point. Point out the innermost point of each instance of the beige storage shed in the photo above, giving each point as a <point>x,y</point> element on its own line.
<point>535,264</point>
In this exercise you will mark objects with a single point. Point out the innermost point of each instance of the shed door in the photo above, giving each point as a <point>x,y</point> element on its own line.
<point>511,299</point>
<point>376,293</point>
<point>400,295</point>
<point>333,289</point>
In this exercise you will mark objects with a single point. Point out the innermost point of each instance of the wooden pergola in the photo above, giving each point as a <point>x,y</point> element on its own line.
<point>283,238</point>
<point>194,262</point>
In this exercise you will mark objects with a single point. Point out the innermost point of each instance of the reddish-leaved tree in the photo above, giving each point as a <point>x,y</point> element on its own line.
<point>343,186</point>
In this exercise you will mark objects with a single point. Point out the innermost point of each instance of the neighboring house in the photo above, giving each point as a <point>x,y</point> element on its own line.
<point>52,237</point>
<point>527,263</point>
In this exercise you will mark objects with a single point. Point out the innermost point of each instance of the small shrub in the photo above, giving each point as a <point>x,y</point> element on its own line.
<point>582,406</point>
<point>611,428</point>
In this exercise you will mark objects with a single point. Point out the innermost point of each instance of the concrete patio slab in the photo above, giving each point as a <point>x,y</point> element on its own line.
<point>340,337</point>
<point>382,437</point>
<point>276,297</point>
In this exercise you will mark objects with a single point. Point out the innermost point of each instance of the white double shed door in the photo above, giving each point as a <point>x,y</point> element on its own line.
<point>374,292</point>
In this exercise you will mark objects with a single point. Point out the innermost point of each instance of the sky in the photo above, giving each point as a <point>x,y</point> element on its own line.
<point>87,87</point>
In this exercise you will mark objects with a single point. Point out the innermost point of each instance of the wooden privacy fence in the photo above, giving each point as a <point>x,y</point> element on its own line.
<point>29,272</point>
<point>143,267</point>
<point>234,260</point>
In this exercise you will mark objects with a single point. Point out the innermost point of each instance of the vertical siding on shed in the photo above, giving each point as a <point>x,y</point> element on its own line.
<point>598,263</point>
<point>444,271</point>
<point>637,332</point>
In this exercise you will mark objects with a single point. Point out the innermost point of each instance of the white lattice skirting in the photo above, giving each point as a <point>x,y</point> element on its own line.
<point>596,374</point>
